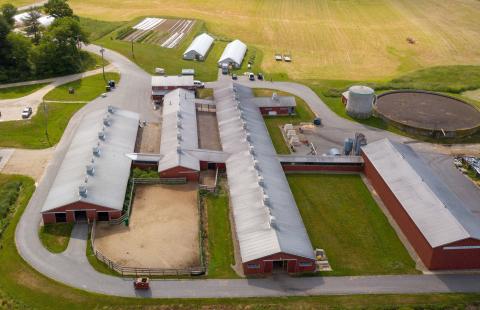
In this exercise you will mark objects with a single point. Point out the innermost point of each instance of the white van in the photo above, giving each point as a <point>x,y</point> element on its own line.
<point>198,84</point>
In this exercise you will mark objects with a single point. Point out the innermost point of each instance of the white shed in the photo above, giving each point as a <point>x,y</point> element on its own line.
<point>199,48</point>
<point>233,54</point>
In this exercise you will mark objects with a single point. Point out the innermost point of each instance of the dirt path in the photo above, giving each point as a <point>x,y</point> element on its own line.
<point>163,231</point>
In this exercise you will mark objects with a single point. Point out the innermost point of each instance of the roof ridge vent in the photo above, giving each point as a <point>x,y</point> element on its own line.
<point>111,109</point>
<point>179,114</point>
<point>96,151</point>
<point>266,200</point>
<point>275,96</point>
<point>179,124</point>
<point>261,181</point>
<point>90,170</point>
<point>82,191</point>
<point>179,149</point>
<point>106,120</point>
<point>179,136</point>
<point>272,221</point>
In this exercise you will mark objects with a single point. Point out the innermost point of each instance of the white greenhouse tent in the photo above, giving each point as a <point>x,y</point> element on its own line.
<point>233,54</point>
<point>199,48</point>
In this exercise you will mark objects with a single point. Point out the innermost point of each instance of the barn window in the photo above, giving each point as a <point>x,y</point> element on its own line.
<point>305,264</point>
<point>253,266</point>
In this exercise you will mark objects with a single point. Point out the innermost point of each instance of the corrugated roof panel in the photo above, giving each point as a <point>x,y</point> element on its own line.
<point>440,215</point>
<point>200,45</point>
<point>234,52</point>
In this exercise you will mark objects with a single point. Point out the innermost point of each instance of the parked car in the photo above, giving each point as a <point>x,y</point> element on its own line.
<point>198,84</point>
<point>224,68</point>
<point>260,76</point>
<point>104,95</point>
<point>27,111</point>
<point>251,77</point>
<point>234,77</point>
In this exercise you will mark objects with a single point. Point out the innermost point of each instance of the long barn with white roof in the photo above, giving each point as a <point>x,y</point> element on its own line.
<point>443,228</point>
<point>92,179</point>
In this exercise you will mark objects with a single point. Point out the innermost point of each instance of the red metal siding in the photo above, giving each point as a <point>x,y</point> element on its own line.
<point>437,258</point>
<point>180,172</point>
<point>307,168</point>
<point>49,217</point>
<point>266,264</point>
<point>278,110</point>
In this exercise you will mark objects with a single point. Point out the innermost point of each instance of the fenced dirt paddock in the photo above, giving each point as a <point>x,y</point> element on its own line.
<point>163,230</point>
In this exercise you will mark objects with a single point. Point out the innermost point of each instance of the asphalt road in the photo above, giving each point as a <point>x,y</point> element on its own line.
<point>72,267</point>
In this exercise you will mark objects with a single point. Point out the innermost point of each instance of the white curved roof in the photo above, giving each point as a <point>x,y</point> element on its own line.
<point>201,44</point>
<point>234,52</point>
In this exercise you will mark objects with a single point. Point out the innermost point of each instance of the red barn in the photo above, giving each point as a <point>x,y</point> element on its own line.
<point>93,176</point>
<point>179,134</point>
<point>443,229</point>
<point>161,85</point>
<point>275,105</point>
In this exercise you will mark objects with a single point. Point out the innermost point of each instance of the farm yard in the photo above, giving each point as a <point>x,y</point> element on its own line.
<point>328,39</point>
<point>163,231</point>
<point>167,33</point>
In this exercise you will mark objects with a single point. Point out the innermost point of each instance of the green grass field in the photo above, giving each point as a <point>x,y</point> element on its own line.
<point>341,217</point>
<point>55,237</point>
<point>273,123</point>
<point>220,246</point>
<point>86,89</point>
<point>19,91</point>
<point>31,133</point>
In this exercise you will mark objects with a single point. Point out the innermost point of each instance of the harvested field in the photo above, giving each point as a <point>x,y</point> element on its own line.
<point>328,38</point>
<point>148,139</point>
<point>428,111</point>
<point>167,33</point>
<point>163,230</point>
<point>208,135</point>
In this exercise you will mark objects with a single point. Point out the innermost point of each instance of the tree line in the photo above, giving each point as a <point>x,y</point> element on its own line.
<point>37,51</point>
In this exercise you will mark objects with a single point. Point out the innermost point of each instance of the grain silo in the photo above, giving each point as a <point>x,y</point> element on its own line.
<point>360,100</point>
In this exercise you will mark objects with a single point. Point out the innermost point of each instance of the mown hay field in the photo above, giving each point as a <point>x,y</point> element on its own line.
<point>328,39</point>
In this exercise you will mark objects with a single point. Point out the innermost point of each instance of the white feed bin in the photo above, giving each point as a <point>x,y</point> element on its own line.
<point>360,101</point>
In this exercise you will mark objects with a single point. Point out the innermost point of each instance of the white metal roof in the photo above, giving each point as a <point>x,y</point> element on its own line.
<point>179,131</point>
<point>234,52</point>
<point>269,102</point>
<point>46,21</point>
<point>441,216</point>
<point>107,186</point>
<point>267,220</point>
<point>200,45</point>
<point>172,81</point>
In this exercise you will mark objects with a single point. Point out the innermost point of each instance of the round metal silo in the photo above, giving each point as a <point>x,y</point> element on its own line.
<point>360,101</point>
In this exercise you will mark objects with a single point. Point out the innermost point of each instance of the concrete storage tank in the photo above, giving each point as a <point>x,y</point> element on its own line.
<point>360,101</point>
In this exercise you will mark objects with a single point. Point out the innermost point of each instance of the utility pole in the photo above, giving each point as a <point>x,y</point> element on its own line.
<point>133,54</point>
<point>102,50</point>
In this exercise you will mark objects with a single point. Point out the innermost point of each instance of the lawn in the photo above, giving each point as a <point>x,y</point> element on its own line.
<point>86,89</point>
<point>19,91</point>
<point>342,217</point>
<point>205,93</point>
<point>98,28</point>
<point>32,133</point>
<point>273,123</point>
<point>22,287</point>
<point>150,56</point>
<point>55,237</point>
<point>220,245</point>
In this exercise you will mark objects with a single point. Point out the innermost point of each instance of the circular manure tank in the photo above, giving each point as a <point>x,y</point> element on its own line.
<point>427,113</point>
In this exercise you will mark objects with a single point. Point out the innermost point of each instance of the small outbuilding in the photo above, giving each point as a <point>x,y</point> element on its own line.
<point>161,85</point>
<point>233,54</point>
<point>275,105</point>
<point>199,47</point>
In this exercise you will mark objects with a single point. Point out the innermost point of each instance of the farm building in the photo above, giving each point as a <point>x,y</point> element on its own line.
<point>161,85</point>
<point>233,54</point>
<point>179,134</point>
<point>44,20</point>
<point>92,178</point>
<point>199,48</point>
<point>268,225</point>
<point>275,105</point>
<point>442,227</point>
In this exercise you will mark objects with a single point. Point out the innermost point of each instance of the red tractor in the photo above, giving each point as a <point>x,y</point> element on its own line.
<point>141,283</point>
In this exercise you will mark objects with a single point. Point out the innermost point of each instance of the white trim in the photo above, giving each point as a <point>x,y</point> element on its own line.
<point>465,247</point>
